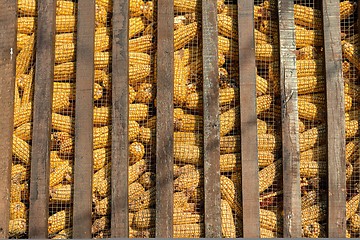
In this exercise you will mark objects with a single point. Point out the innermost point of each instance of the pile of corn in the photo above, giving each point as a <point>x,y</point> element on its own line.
<point>188,161</point>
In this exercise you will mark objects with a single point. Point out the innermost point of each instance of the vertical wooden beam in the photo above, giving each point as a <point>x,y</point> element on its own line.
<point>335,120</point>
<point>42,107</point>
<point>8,24</point>
<point>211,120</point>
<point>120,120</point>
<point>290,121</point>
<point>248,120</point>
<point>83,162</point>
<point>165,123</point>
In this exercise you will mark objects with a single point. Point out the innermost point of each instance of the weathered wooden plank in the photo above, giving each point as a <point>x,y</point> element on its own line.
<point>164,123</point>
<point>42,106</point>
<point>248,120</point>
<point>8,24</point>
<point>290,121</point>
<point>83,167</point>
<point>335,120</point>
<point>212,217</point>
<point>120,119</point>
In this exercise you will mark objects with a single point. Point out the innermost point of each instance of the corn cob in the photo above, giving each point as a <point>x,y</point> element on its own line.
<point>138,73</point>
<point>145,93</point>
<point>312,137</point>
<point>266,233</point>
<point>352,149</point>
<point>100,16</point>
<point>351,52</point>
<point>265,158</point>
<point>305,37</point>
<point>65,8</point>
<point>138,58</point>
<point>230,162</point>
<point>228,228</point>
<point>17,210</point>
<point>185,153</point>
<point>21,150</point>
<point>310,111</point>
<point>310,169</point>
<point>63,234</point>
<point>23,59</point>
<point>148,11</point>
<point>190,6</point>
<point>136,170</point>
<point>64,71</point>
<point>230,193</point>
<point>355,223</point>
<point>268,175</point>
<point>136,152</point>
<point>309,199</point>
<point>261,38</point>
<point>17,227</point>
<point>194,230</point>
<point>227,26</point>
<point>24,131</point>
<point>65,24</point>
<point>105,4</point>
<point>188,180</point>
<point>69,89</point>
<point>304,68</point>
<point>307,16</point>
<point>352,90</point>
<point>135,189</point>
<point>346,9</point>
<point>180,81</point>
<point>63,123</point>
<point>266,52</point>
<point>184,35</point>
<point>352,206</point>
<point>268,219</point>
<point>143,201</point>
<point>100,224</point>
<point>102,207</point>
<point>57,221</point>
<point>18,173</point>
<point>315,213</point>
<point>27,7</point>
<point>354,39</point>
<point>60,102</point>
<point>57,174</point>
<point>317,153</point>
<point>65,53</point>
<point>312,230</point>
<point>268,27</point>
<point>136,26</point>
<point>263,103</point>
<point>147,180</point>
<point>311,84</point>
<point>26,25</point>
<point>141,44</point>
<point>307,53</point>
<point>102,60</point>
<point>102,188</point>
<point>22,40</point>
<point>61,193</point>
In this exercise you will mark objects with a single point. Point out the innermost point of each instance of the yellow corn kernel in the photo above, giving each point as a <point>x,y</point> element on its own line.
<point>57,221</point>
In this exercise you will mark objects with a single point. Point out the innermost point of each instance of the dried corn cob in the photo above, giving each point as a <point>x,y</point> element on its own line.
<point>346,9</point>
<point>268,219</point>
<point>180,81</point>
<point>22,41</point>
<point>187,153</point>
<point>147,180</point>
<point>309,199</point>
<point>18,173</point>
<point>230,162</point>
<point>304,68</point>
<point>268,175</point>
<point>69,89</point>
<point>102,207</point>
<point>135,7</point>
<point>57,221</point>
<point>135,189</point>
<point>355,223</point>
<point>64,53</point>
<point>265,158</point>
<point>312,137</point>
<point>100,16</point>
<point>136,170</point>
<point>21,150</point>
<point>143,201</point>
<point>138,58</point>
<point>17,227</point>
<point>65,24</point>
<point>190,6</point>
<point>312,230</point>
<point>57,174</point>
<point>351,52</point>
<point>148,11</point>
<point>63,123</point>
<point>136,152</point>
<point>311,84</point>
<point>27,7</point>
<point>188,180</point>
<point>315,213</point>
<point>227,26</point>
<point>63,234</point>
<point>141,44</point>
<point>228,228</point>
<point>60,102</point>
<point>61,193</point>
<point>263,103</point>
<point>266,52</point>
<point>312,169</point>
<point>266,233</point>
<point>23,59</point>
<point>194,230</point>
<point>65,8</point>
<point>184,35</point>
<point>138,73</point>
<point>317,153</point>
<point>24,131</point>
<point>64,71</point>
<point>307,16</point>
<point>136,26</point>
<point>100,224</point>
<point>306,53</point>
<point>310,111</point>
<point>352,206</point>
<point>261,38</point>
<point>102,188</point>
<point>305,37</point>
<point>17,210</point>
<point>230,193</point>
<point>145,93</point>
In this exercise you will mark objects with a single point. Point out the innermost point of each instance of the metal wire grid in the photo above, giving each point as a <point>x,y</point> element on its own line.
<point>312,117</point>
<point>269,118</point>
<point>349,34</point>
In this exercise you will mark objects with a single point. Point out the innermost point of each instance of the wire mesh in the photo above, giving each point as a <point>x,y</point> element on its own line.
<point>269,118</point>
<point>142,109</point>
<point>349,34</point>
<point>102,121</point>
<point>312,117</point>
<point>25,66</point>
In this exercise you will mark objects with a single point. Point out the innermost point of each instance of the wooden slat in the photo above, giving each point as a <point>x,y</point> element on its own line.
<point>42,106</point>
<point>164,123</point>
<point>8,24</point>
<point>120,118</point>
<point>248,120</point>
<point>211,129</point>
<point>83,162</point>
<point>290,121</point>
<point>335,120</point>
